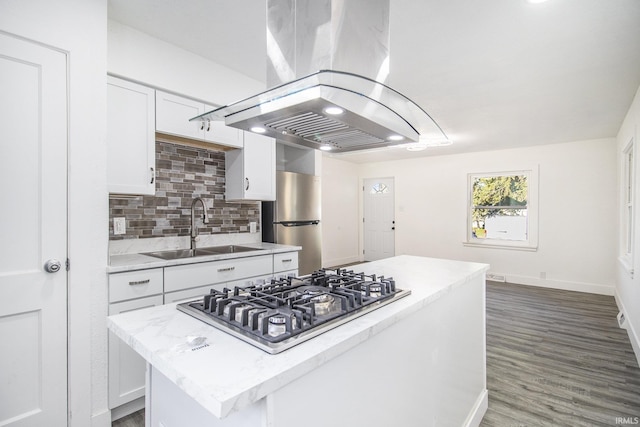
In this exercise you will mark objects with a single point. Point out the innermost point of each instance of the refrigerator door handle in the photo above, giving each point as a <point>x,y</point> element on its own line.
<point>297,223</point>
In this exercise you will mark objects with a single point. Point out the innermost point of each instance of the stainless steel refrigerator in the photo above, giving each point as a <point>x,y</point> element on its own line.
<point>294,218</point>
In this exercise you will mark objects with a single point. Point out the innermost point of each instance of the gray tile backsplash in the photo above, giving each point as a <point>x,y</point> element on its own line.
<point>182,173</point>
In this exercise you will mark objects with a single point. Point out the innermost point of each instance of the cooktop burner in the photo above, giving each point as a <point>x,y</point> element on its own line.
<point>284,312</point>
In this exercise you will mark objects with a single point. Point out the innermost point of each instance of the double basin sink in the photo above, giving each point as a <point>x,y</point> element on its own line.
<point>190,253</point>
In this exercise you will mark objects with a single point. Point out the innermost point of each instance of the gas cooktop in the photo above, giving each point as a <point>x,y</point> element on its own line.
<point>282,313</point>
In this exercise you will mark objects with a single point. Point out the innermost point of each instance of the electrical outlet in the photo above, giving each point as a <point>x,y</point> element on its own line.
<point>119,225</point>
<point>253,227</point>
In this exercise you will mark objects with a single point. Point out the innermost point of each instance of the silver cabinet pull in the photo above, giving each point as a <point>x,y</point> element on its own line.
<point>226,269</point>
<point>287,260</point>
<point>246,180</point>
<point>202,125</point>
<point>52,266</point>
<point>153,175</point>
<point>140,282</point>
<point>208,125</point>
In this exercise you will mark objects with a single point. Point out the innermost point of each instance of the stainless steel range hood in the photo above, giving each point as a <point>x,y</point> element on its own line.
<point>346,106</point>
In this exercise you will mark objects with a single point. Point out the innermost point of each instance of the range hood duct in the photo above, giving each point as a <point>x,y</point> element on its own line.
<point>348,41</point>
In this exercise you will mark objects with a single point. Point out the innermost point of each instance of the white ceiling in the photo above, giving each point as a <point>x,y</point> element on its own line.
<point>494,74</point>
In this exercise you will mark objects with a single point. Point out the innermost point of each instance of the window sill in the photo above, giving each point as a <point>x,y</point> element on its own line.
<point>625,262</point>
<point>514,247</point>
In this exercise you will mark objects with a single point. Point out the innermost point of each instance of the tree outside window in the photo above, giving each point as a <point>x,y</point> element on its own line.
<point>499,207</point>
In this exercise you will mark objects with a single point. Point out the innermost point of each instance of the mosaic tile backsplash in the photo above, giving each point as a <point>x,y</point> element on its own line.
<point>182,173</point>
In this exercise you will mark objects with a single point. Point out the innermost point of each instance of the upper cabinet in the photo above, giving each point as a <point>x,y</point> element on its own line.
<point>130,138</point>
<point>250,172</point>
<point>172,117</point>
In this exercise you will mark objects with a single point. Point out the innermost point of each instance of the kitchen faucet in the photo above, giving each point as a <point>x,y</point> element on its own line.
<point>205,219</point>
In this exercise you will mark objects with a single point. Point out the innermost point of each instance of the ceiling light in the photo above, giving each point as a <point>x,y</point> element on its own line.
<point>435,142</point>
<point>258,129</point>
<point>326,147</point>
<point>334,111</point>
<point>416,146</point>
<point>396,138</point>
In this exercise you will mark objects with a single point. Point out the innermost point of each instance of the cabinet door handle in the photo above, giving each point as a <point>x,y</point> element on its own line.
<point>246,180</point>
<point>202,125</point>
<point>208,125</point>
<point>140,282</point>
<point>153,175</point>
<point>287,260</point>
<point>226,269</point>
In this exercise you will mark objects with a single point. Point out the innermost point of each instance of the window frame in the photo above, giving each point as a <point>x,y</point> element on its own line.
<point>627,244</point>
<point>531,243</point>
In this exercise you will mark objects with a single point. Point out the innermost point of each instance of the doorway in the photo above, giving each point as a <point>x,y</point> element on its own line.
<point>379,218</point>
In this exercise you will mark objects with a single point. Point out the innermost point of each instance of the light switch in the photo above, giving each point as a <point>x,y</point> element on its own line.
<point>119,225</point>
<point>253,226</point>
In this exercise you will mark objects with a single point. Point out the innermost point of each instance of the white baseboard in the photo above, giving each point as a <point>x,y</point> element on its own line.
<point>479,409</point>
<point>591,288</point>
<point>631,331</point>
<point>103,419</point>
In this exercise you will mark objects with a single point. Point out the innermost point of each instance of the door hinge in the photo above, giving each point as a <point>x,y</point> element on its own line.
<point>363,252</point>
<point>362,219</point>
<point>67,264</point>
<point>363,188</point>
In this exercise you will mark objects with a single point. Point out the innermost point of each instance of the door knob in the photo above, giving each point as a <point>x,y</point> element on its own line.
<point>52,266</point>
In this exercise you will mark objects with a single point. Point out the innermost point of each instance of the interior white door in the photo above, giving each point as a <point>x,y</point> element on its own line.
<point>33,170</point>
<point>379,218</point>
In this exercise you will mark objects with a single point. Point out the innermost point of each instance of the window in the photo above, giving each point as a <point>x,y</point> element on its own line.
<point>628,223</point>
<point>502,210</point>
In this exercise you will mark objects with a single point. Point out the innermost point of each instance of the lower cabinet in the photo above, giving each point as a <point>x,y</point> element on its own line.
<point>136,290</point>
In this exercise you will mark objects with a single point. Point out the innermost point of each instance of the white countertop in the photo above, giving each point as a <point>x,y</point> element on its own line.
<point>225,374</point>
<point>138,261</point>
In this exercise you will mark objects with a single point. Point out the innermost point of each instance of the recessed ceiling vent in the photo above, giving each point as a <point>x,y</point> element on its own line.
<point>328,55</point>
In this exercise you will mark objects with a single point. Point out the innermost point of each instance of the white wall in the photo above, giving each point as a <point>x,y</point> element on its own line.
<point>577,211</point>
<point>137,56</point>
<point>628,286</point>
<point>340,226</point>
<point>80,28</point>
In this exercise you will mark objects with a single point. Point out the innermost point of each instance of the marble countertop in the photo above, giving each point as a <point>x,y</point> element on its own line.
<point>140,261</point>
<point>225,374</point>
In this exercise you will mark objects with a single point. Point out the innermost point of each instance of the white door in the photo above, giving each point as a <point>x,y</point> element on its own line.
<point>379,221</point>
<point>33,173</point>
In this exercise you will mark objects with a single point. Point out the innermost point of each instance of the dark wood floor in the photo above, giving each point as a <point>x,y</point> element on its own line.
<point>557,358</point>
<point>554,358</point>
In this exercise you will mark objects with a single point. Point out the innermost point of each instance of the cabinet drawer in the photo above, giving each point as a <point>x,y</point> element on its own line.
<point>135,284</point>
<point>285,261</point>
<point>207,273</point>
<point>190,294</point>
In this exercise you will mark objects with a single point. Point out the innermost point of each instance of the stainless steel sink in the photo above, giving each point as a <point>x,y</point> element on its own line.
<point>190,253</point>
<point>230,249</point>
<point>181,253</point>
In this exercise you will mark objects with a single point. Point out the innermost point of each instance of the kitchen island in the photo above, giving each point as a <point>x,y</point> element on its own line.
<point>419,361</point>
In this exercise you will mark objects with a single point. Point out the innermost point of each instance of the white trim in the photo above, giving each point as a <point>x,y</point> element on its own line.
<point>591,288</point>
<point>502,245</point>
<point>340,261</point>
<point>628,224</point>
<point>633,335</point>
<point>479,409</point>
<point>626,263</point>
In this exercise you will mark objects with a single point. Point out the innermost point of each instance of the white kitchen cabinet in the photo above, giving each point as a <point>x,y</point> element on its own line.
<point>130,138</point>
<point>180,277</point>
<point>172,117</point>
<point>285,261</point>
<point>195,293</point>
<point>251,172</point>
<point>129,291</point>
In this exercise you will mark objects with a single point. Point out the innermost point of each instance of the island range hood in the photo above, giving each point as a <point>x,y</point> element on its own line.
<point>346,105</point>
